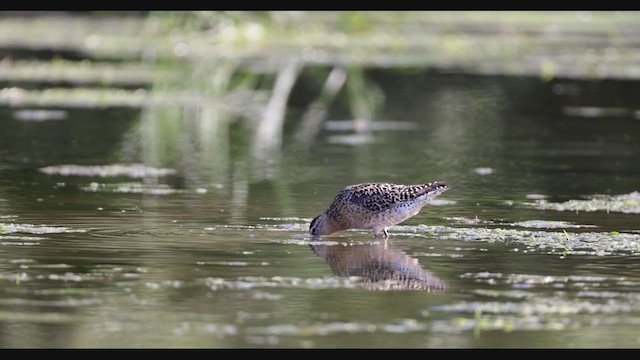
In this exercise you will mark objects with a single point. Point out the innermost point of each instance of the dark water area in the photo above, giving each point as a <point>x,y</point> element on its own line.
<point>177,261</point>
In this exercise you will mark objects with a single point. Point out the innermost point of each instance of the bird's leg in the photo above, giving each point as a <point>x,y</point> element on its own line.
<point>386,234</point>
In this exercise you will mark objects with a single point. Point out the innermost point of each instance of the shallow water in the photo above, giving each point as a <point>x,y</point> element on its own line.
<point>177,261</point>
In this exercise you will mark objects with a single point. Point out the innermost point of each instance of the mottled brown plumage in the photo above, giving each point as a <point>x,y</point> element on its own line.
<point>374,206</point>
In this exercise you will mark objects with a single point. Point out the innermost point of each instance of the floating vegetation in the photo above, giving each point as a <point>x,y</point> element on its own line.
<point>536,196</point>
<point>236,102</point>
<point>404,326</point>
<point>14,237</point>
<point>48,266</point>
<point>506,323</point>
<point>524,281</point>
<point>37,317</point>
<point>543,306</point>
<point>548,224</point>
<point>625,203</point>
<point>483,170</point>
<point>129,170</point>
<point>252,282</point>
<point>353,139</point>
<point>467,221</point>
<point>34,229</point>
<point>66,302</point>
<point>39,115</point>
<point>526,310</point>
<point>81,72</point>
<point>304,227</point>
<point>510,294</point>
<point>308,242</point>
<point>363,125</point>
<point>594,111</point>
<point>17,243</point>
<point>232,263</point>
<point>139,188</point>
<point>591,243</point>
<point>285,218</point>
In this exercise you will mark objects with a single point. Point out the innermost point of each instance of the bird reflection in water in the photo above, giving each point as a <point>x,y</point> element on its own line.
<point>380,266</point>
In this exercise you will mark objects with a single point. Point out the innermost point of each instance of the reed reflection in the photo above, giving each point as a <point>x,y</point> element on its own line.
<point>380,265</point>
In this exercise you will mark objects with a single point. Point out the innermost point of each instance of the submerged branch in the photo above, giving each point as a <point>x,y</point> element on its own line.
<point>317,111</point>
<point>268,133</point>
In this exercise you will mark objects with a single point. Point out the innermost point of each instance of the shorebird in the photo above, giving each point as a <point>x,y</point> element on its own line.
<point>374,206</point>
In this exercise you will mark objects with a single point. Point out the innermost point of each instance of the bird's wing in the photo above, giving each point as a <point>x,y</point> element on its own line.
<point>378,197</point>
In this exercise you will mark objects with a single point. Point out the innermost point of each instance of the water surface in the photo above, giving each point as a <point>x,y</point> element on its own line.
<point>224,260</point>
